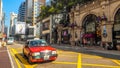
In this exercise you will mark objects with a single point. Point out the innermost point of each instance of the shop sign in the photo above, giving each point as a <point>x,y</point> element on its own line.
<point>90,27</point>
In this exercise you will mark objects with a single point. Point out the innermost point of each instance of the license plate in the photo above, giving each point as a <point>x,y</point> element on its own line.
<point>37,57</point>
<point>46,57</point>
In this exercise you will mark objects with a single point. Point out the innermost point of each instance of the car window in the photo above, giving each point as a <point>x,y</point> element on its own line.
<point>11,38</point>
<point>38,43</point>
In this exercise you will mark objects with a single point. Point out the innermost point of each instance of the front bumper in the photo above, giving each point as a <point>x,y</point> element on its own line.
<point>42,58</point>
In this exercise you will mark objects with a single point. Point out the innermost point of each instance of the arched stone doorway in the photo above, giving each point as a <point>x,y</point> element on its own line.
<point>92,30</point>
<point>116,29</point>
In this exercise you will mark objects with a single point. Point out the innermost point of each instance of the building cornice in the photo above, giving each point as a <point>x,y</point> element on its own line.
<point>91,5</point>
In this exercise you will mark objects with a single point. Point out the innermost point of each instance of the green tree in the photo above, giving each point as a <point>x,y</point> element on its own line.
<point>59,6</point>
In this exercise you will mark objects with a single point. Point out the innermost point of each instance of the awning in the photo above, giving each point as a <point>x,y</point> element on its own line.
<point>88,35</point>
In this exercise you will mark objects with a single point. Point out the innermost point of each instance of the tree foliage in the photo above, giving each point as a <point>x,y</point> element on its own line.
<point>59,6</point>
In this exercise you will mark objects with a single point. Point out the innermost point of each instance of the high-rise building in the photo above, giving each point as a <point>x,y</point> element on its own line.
<point>13,20</point>
<point>1,15</point>
<point>29,11</point>
<point>33,10</point>
<point>2,19</point>
<point>6,30</point>
<point>21,12</point>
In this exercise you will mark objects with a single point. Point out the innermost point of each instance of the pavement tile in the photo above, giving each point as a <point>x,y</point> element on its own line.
<point>4,58</point>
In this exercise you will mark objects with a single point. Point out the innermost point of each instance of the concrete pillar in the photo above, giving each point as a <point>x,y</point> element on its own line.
<point>59,34</point>
<point>108,28</point>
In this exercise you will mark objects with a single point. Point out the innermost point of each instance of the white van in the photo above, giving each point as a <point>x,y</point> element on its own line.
<point>10,40</point>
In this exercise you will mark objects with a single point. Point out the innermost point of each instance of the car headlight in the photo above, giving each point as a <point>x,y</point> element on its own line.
<point>35,54</point>
<point>54,52</point>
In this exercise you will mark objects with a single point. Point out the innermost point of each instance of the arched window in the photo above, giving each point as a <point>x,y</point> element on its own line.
<point>117,21</point>
<point>89,23</point>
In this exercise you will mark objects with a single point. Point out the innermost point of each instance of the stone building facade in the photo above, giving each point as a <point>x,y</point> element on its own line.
<point>96,22</point>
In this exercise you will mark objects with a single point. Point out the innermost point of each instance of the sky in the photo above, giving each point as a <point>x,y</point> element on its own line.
<point>11,6</point>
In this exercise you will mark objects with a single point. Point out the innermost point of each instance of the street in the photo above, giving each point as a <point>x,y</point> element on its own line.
<point>59,33</point>
<point>66,59</point>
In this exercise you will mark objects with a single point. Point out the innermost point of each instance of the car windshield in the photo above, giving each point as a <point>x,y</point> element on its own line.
<point>38,43</point>
<point>10,38</point>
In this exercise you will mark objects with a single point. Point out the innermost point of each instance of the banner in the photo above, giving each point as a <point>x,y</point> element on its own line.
<point>20,28</point>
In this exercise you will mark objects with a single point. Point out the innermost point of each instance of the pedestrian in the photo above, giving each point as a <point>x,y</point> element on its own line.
<point>84,42</point>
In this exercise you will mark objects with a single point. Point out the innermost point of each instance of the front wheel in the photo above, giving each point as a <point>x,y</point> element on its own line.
<point>24,53</point>
<point>29,60</point>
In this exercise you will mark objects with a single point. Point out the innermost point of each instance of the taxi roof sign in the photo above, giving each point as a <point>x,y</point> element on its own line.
<point>36,38</point>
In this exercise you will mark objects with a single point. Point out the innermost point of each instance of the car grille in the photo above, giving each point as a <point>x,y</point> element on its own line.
<point>44,53</point>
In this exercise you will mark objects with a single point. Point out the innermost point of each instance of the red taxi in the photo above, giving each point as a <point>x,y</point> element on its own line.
<point>39,51</point>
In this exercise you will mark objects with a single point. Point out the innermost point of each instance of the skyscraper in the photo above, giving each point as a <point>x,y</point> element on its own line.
<point>1,15</point>
<point>33,10</point>
<point>21,12</point>
<point>13,20</point>
<point>29,11</point>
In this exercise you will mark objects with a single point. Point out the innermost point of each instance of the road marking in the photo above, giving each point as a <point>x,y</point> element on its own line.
<point>94,57</point>
<point>69,56</point>
<point>64,62</point>
<point>24,61</point>
<point>115,61</point>
<point>16,60</point>
<point>11,61</point>
<point>18,48</point>
<point>67,52</point>
<point>79,63</point>
<point>99,65</point>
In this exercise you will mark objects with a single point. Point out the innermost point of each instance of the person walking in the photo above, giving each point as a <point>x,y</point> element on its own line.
<point>84,41</point>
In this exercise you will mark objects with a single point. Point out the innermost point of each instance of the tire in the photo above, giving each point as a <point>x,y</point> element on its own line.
<point>29,60</point>
<point>24,54</point>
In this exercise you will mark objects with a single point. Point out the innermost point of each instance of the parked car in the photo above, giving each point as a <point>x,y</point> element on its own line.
<point>39,51</point>
<point>10,40</point>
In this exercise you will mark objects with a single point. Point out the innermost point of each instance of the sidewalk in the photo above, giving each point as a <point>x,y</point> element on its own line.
<point>94,50</point>
<point>4,58</point>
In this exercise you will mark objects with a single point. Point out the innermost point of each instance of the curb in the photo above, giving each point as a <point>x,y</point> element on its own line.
<point>103,53</point>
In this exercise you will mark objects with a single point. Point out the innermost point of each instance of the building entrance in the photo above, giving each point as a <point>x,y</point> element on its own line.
<point>91,30</point>
<point>116,29</point>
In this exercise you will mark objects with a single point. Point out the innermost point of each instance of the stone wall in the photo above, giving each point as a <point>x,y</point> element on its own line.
<point>98,7</point>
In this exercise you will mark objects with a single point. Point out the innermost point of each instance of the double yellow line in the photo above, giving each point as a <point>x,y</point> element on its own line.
<point>16,60</point>
<point>14,53</point>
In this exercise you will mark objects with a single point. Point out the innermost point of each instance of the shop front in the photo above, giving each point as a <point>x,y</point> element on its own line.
<point>46,30</point>
<point>46,37</point>
<point>65,36</point>
<point>90,26</point>
<point>116,30</point>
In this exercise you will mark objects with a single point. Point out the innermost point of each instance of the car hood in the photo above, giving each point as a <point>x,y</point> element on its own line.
<point>41,48</point>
